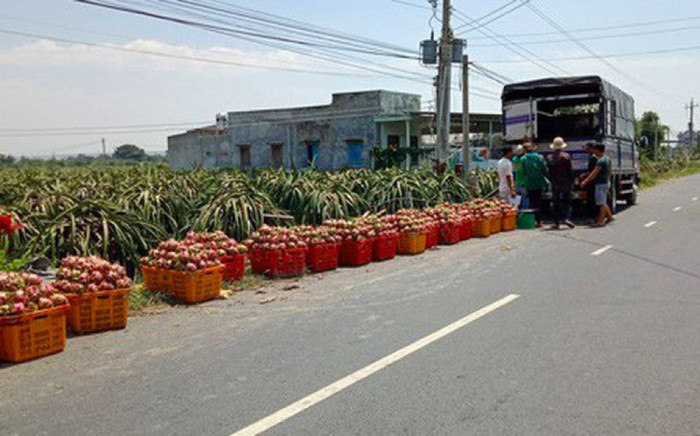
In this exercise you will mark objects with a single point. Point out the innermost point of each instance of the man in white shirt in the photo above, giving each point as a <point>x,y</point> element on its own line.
<point>506,187</point>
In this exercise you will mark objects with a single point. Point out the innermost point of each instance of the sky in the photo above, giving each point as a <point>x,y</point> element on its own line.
<point>72,73</point>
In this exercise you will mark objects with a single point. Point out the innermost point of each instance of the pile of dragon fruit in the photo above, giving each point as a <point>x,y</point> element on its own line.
<point>182,256</point>
<point>219,241</point>
<point>79,275</point>
<point>22,293</point>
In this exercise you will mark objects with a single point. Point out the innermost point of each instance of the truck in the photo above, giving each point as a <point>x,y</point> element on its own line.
<point>581,110</point>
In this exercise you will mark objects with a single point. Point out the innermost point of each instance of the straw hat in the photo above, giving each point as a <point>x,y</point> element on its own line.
<point>519,150</point>
<point>558,143</point>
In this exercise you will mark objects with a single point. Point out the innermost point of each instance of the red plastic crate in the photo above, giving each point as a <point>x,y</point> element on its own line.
<point>323,257</point>
<point>385,247</point>
<point>259,261</point>
<point>33,335</point>
<point>431,237</point>
<point>5,223</point>
<point>233,267</point>
<point>290,262</point>
<point>356,253</point>
<point>466,229</point>
<point>449,234</point>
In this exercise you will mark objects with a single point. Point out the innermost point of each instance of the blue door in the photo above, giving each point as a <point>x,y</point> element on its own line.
<point>312,152</point>
<point>355,154</point>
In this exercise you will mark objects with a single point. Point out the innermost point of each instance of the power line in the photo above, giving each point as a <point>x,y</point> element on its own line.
<point>173,56</point>
<point>600,37</point>
<point>600,28</point>
<point>413,5</point>
<point>511,46</point>
<point>228,32</point>
<point>87,133</point>
<point>604,56</point>
<point>587,49</point>
<point>127,126</point>
<point>477,23</point>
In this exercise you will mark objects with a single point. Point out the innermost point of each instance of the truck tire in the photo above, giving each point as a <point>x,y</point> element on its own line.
<point>631,199</point>
<point>612,196</point>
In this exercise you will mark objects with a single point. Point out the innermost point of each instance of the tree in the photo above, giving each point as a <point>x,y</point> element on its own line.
<point>6,160</point>
<point>130,152</point>
<point>650,132</point>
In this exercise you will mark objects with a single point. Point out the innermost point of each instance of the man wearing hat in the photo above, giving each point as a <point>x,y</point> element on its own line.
<point>561,176</point>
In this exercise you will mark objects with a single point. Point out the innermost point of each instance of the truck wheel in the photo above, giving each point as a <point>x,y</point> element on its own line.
<point>631,199</point>
<point>612,196</point>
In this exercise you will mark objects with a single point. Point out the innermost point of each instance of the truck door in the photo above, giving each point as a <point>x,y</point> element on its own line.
<point>520,119</point>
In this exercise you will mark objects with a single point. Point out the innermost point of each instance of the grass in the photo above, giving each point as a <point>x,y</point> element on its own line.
<point>142,301</point>
<point>650,179</point>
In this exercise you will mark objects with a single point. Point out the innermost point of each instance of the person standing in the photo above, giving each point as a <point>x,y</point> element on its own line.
<point>561,176</point>
<point>600,177</point>
<point>591,208</point>
<point>535,173</point>
<point>506,187</point>
<point>520,177</point>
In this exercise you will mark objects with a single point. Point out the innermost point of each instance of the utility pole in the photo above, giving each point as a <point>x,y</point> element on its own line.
<point>692,106</point>
<point>466,151</point>
<point>656,140</point>
<point>104,147</point>
<point>443,94</point>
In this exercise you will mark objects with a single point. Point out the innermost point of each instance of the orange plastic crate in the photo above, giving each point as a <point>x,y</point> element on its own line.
<point>98,311</point>
<point>481,228</point>
<point>197,286</point>
<point>33,335</point>
<point>509,222</point>
<point>155,279</point>
<point>411,243</point>
<point>495,224</point>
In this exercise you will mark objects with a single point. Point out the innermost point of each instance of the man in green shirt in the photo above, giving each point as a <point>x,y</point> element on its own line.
<point>534,169</point>
<point>600,177</point>
<point>520,177</point>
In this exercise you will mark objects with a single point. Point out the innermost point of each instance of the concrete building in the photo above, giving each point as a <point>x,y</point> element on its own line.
<point>330,137</point>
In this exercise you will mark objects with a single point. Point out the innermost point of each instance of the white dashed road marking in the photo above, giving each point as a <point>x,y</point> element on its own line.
<point>320,395</point>
<point>676,209</point>
<point>650,224</point>
<point>695,198</point>
<point>602,250</point>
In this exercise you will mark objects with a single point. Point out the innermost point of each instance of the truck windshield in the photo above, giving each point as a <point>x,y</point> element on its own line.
<point>568,118</point>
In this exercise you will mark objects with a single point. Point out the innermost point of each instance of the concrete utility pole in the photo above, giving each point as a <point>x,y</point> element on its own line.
<point>692,107</point>
<point>443,94</point>
<point>104,147</point>
<point>466,151</point>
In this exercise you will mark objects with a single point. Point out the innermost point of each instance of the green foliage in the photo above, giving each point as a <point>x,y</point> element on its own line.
<point>130,152</point>
<point>119,213</point>
<point>649,132</point>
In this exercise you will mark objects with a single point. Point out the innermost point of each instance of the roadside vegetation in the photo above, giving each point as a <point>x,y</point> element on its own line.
<point>666,168</point>
<point>119,213</point>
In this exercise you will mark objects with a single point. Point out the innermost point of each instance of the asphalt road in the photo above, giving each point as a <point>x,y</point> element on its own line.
<point>593,344</point>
